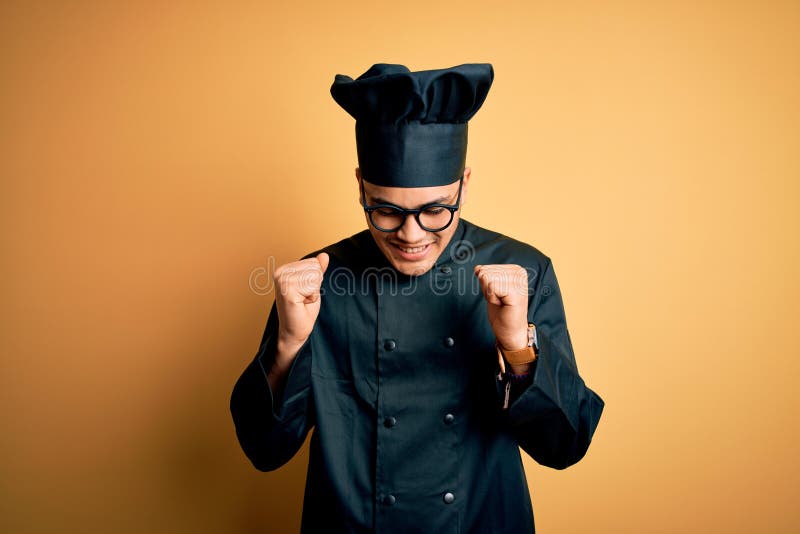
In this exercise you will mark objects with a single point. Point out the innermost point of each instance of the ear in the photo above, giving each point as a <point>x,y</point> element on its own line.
<point>358,180</point>
<point>467,174</point>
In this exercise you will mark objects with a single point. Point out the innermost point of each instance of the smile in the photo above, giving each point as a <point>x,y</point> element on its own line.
<point>412,253</point>
<point>412,250</point>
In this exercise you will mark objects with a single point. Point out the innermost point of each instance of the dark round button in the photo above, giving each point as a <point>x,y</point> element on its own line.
<point>389,344</point>
<point>449,418</point>
<point>449,498</point>
<point>449,342</point>
<point>389,422</point>
<point>445,270</point>
<point>389,500</point>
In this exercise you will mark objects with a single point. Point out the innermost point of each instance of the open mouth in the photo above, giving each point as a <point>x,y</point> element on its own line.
<point>412,253</point>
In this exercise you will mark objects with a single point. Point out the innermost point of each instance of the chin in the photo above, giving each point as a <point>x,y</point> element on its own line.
<point>413,269</point>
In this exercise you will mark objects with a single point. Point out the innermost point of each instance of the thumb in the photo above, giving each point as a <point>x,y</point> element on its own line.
<point>323,260</point>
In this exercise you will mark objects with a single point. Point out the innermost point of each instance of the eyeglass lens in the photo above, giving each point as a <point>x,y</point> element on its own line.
<point>431,219</point>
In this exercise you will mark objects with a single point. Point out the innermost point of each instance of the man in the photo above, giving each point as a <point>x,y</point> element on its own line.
<point>425,350</point>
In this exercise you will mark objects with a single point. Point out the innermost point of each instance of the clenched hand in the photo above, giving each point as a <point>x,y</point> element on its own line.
<point>505,288</point>
<point>298,299</point>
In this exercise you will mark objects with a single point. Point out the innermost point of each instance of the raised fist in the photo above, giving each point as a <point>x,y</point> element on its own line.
<point>505,288</point>
<point>298,298</point>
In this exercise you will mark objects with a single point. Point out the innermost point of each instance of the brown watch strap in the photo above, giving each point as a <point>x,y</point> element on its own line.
<point>520,356</point>
<point>517,357</point>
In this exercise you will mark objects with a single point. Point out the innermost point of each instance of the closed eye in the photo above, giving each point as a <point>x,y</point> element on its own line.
<point>388,212</point>
<point>433,211</point>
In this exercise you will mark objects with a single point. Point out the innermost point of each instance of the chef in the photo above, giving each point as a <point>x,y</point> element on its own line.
<point>424,351</point>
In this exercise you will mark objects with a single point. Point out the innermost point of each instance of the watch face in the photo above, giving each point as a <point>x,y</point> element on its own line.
<point>532,340</point>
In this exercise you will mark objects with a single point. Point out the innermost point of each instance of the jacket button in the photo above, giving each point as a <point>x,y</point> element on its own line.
<point>389,500</point>
<point>449,418</point>
<point>449,498</point>
<point>389,344</point>
<point>449,342</point>
<point>445,270</point>
<point>389,422</point>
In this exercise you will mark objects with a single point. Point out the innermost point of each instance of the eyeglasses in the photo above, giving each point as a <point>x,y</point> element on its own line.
<point>433,217</point>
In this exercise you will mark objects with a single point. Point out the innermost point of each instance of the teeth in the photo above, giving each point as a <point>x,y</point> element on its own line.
<point>412,250</point>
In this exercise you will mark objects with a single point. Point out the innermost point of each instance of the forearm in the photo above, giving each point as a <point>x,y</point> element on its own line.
<point>555,416</point>
<point>285,353</point>
<point>269,430</point>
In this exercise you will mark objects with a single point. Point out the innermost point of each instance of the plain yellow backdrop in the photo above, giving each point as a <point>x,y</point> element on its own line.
<point>156,157</point>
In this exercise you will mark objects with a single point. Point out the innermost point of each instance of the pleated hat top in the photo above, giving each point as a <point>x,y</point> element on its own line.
<point>411,127</point>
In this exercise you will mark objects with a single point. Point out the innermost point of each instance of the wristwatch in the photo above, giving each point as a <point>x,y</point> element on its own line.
<point>522,356</point>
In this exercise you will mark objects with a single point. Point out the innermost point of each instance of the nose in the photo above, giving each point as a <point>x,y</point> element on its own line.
<point>411,231</point>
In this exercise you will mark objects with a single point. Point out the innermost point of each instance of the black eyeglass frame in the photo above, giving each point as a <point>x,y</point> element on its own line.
<point>452,208</point>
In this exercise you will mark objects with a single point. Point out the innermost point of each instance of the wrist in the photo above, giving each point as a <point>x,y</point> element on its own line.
<point>519,360</point>
<point>523,369</point>
<point>518,342</point>
<point>286,349</point>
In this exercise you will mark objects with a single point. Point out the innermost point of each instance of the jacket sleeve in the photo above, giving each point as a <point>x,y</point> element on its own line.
<point>271,430</point>
<point>554,416</point>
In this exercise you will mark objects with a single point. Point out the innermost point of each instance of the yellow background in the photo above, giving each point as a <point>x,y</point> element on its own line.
<point>154,155</point>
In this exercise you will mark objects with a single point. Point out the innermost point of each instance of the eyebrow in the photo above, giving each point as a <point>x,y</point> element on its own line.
<point>380,200</point>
